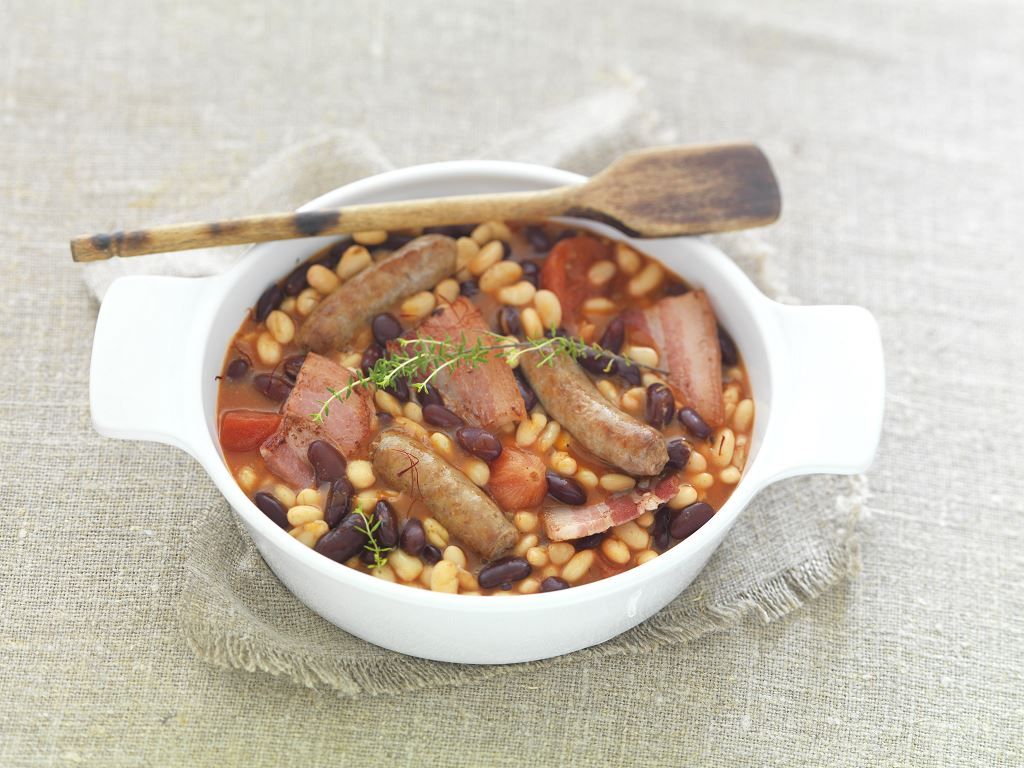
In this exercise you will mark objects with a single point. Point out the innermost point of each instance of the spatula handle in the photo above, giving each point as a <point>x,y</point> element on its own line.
<point>356,218</point>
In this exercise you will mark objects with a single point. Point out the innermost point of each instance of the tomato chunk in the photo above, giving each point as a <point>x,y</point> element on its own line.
<point>245,430</point>
<point>517,480</point>
<point>565,273</point>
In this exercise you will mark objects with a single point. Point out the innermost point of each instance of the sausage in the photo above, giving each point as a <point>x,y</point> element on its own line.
<point>570,397</point>
<point>418,265</point>
<point>466,511</point>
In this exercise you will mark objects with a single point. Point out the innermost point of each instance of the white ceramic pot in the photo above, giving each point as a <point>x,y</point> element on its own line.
<point>816,374</point>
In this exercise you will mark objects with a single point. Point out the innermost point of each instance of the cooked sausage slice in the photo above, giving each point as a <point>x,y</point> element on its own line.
<point>467,512</point>
<point>418,265</point>
<point>571,398</point>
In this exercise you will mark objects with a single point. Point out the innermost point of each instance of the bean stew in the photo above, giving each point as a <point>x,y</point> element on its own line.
<point>503,408</point>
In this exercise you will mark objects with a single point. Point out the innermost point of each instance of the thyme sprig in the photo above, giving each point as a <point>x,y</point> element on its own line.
<point>380,558</point>
<point>419,360</point>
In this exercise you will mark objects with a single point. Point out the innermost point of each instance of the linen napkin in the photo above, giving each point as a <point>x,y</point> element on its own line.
<point>796,540</point>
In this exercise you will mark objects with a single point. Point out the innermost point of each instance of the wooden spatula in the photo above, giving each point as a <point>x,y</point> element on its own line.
<point>650,193</point>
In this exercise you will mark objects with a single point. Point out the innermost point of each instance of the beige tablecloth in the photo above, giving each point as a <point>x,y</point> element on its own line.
<point>896,132</point>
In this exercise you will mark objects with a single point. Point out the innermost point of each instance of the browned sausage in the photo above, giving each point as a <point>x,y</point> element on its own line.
<point>460,506</point>
<point>416,266</point>
<point>571,398</point>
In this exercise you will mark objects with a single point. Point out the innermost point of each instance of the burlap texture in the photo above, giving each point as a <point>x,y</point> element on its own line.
<point>895,130</point>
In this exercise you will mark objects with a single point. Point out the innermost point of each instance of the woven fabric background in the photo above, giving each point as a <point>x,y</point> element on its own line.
<point>895,128</point>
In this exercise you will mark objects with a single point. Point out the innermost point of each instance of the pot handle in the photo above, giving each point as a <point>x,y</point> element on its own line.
<point>828,410</point>
<point>144,375</point>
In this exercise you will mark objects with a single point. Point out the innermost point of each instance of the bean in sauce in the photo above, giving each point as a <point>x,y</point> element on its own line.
<point>328,463</point>
<point>553,584</point>
<point>614,335</point>
<point>479,442</point>
<point>505,570</point>
<point>385,327</point>
<point>273,387</point>
<point>565,489</point>
<point>387,533</point>
<point>343,542</point>
<point>428,395</point>
<point>678,453</point>
<point>660,405</point>
<point>237,368</point>
<point>336,506</point>
<point>413,538</point>
<point>690,419</point>
<point>268,301</point>
<point>292,366</point>
<point>440,416</point>
<point>688,520</point>
<point>431,554</point>
<point>269,505</point>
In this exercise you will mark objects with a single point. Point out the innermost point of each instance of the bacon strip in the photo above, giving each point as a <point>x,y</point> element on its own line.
<point>348,425</point>
<point>685,332</point>
<point>485,394</point>
<point>564,523</point>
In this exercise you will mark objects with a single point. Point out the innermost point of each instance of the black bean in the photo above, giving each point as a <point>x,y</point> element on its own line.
<point>614,335</point>
<point>387,534</point>
<point>413,538</point>
<point>730,356</point>
<point>469,288</point>
<point>451,230</point>
<point>385,327</point>
<point>629,372</point>
<point>659,530</point>
<point>268,301</point>
<point>506,250</point>
<point>597,363</point>
<point>563,235</point>
<point>690,419</point>
<point>272,508</point>
<point>660,405</point>
<point>678,453</point>
<point>366,557</point>
<point>440,416</point>
<point>505,570</point>
<point>336,507</point>
<point>292,366</point>
<point>479,442</point>
<point>237,368</point>
<point>334,253</point>
<point>508,321</point>
<point>531,273</point>
<point>428,395</point>
<point>431,554</point>
<point>538,239</point>
<point>565,489</point>
<point>343,542</point>
<point>589,542</point>
<point>373,353</point>
<point>553,584</point>
<point>673,288</point>
<point>273,387</point>
<point>328,463</point>
<point>526,391</point>
<point>400,389</point>
<point>686,521</point>
<point>396,241</point>
<point>296,283</point>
